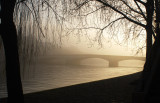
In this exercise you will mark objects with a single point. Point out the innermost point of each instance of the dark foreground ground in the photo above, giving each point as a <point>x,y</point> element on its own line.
<point>114,90</point>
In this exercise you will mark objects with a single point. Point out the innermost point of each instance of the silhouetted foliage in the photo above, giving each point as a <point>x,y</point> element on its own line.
<point>129,18</point>
<point>22,35</point>
<point>33,24</point>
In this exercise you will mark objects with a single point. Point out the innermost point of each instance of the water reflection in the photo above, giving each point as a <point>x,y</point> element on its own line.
<point>131,63</point>
<point>49,75</point>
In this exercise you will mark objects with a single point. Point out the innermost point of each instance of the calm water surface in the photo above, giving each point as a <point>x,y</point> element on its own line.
<point>48,76</point>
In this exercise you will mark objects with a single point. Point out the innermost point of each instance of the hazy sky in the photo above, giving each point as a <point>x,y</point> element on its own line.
<point>79,43</point>
<point>111,46</point>
<point>108,48</point>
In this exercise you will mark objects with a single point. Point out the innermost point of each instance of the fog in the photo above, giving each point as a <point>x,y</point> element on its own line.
<point>81,45</point>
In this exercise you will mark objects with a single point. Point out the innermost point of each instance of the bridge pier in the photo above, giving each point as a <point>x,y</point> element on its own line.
<point>113,63</point>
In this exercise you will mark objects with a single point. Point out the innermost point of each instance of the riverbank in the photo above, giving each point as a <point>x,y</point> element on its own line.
<point>114,90</point>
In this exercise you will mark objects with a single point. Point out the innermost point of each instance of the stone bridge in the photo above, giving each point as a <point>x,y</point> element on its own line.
<point>112,59</point>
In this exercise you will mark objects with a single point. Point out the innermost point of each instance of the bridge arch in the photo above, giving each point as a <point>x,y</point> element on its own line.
<point>113,60</point>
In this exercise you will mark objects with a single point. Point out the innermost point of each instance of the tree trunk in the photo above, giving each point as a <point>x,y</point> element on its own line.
<point>151,50</point>
<point>9,37</point>
<point>152,88</point>
<point>149,33</point>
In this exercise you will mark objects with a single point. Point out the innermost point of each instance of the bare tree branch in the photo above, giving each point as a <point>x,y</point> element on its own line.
<point>142,13</point>
<point>36,17</point>
<point>116,10</point>
<point>93,11</point>
<point>80,5</point>
<point>113,22</point>
<point>140,1</point>
<point>131,7</point>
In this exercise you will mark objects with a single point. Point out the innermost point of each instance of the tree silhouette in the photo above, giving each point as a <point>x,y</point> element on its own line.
<point>9,37</point>
<point>151,74</point>
<point>140,13</point>
<point>135,13</point>
<point>22,35</point>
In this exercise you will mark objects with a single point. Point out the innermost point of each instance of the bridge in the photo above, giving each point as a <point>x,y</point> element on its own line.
<point>112,59</point>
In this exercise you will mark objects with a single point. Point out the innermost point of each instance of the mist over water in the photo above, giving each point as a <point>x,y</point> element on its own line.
<point>52,71</point>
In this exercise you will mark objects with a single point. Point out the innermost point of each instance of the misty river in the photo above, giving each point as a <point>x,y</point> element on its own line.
<point>48,75</point>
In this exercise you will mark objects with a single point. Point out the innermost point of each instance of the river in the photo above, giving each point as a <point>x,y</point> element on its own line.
<point>46,76</point>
